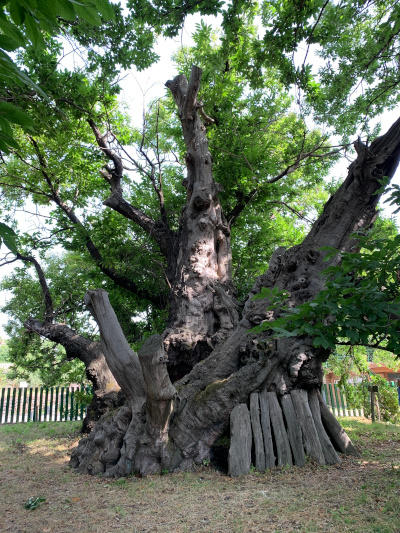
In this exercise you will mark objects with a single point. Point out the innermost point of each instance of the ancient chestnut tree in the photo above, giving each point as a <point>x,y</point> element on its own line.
<point>241,161</point>
<point>165,425</point>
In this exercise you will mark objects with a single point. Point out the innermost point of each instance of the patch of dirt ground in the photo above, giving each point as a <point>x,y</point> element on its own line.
<point>359,495</point>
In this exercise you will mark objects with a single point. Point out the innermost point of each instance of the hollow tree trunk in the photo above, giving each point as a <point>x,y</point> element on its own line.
<point>105,387</point>
<point>202,308</point>
<point>162,426</point>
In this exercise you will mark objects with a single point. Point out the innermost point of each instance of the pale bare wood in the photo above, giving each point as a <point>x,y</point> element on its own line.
<point>239,460</point>
<point>159,389</point>
<point>122,360</point>
<point>335,430</point>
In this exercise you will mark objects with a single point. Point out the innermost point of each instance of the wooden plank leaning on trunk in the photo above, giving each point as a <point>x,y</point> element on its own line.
<point>331,457</point>
<point>294,430</point>
<point>279,430</point>
<point>337,434</point>
<point>266,429</point>
<point>239,459</point>
<point>257,433</point>
<point>310,436</point>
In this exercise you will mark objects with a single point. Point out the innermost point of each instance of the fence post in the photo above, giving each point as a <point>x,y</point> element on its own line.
<point>348,411</point>
<point>18,413</point>
<point>14,393</point>
<point>24,405</point>
<point>82,389</point>
<point>35,405</point>
<point>2,404</point>
<point>46,398</point>
<point>56,406</point>
<point>76,405</point>
<point>337,399</point>
<point>333,399</point>
<point>66,403</point>
<point>29,403</point>
<point>71,411</point>
<point>40,403</point>
<point>373,389</point>
<point>51,404</point>
<point>324,393</point>
<point>62,404</point>
<point>7,405</point>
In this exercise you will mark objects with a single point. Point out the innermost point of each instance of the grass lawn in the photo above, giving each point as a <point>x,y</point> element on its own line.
<point>359,495</point>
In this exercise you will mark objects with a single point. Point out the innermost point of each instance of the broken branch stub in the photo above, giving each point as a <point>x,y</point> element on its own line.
<point>122,360</point>
<point>159,390</point>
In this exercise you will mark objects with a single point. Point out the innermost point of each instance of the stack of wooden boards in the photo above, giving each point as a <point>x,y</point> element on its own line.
<point>284,431</point>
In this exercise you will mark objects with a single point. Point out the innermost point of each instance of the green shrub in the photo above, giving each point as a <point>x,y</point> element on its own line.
<point>358,396</point>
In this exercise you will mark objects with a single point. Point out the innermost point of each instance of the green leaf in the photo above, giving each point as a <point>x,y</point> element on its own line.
<point>17,12</point>
<point>8,43</point>
<point>105,9</point>
<point>89,14</point>
<point>65,9</point>
<point>33,32</point>
<point>9,237</point>
<point>13,114</point>
<point>10,30</point>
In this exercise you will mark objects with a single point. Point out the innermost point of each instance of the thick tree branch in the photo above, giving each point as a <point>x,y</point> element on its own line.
<point>75,345</point>
<point>353,207</point>
<point>191,104</point>
<point>48,302</point>
<point>94,252</point>
<point>159,232</point>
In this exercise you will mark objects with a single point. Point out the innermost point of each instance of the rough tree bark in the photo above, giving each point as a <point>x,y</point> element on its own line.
<point>165,426</point>
<point>202,308</point>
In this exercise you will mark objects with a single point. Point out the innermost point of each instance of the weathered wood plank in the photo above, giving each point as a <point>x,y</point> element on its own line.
<point>331,457</point>
<point>239,459</point>
<point>335,430</point>
<point>266,429</point>
<point>279,430</point>
<point>293,430</point>
<point>257,432</point>
<point>310,436</point>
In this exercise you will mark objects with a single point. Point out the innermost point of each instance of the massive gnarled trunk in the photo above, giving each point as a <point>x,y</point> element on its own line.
<point>174,426</point>
<point>202,308</point>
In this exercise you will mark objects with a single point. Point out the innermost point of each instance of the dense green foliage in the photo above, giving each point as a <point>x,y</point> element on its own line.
<point>358,396</point>
<point>350,364</point>
<point>360,302</point>
<point>4,356</point>
<point>24,22</point>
